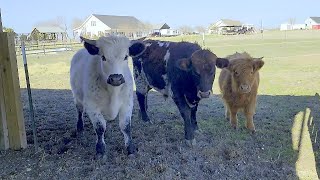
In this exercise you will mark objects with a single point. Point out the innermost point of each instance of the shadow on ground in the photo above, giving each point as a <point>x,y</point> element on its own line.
<point>221,152</point>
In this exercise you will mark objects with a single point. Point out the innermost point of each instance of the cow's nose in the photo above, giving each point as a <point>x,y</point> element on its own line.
<point>244,88</point>
<point>116,79</point>
<point>204,94</point>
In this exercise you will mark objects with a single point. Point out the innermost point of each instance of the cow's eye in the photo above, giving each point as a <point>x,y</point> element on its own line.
<point>103,58</point>
<point>236,73</point>
<point>126,57</point>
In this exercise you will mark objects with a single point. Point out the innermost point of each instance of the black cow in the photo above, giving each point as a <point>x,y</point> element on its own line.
<point>181,70</point>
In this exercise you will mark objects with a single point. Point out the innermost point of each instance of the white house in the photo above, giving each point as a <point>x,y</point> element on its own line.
<point>286,27</point>
<point>225,26</point>
<point>164,30</point>
<point>99,25</point>
<point>313,23</point>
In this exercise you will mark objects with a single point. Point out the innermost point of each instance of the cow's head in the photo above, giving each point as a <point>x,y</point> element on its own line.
<point>243,69</point>
<point>202,66</point>
<point>114,52</point>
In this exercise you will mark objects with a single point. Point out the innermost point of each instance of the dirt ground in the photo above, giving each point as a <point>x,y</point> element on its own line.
<point>221,152</point>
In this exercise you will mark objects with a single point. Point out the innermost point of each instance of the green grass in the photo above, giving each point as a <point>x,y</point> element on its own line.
<point>292,67</point>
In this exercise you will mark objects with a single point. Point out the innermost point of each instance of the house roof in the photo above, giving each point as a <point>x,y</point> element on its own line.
<point>49,29</point>
<point>161,26</point>
<point>229,22</point>
<point>316,19</point>
<point>120,22</point>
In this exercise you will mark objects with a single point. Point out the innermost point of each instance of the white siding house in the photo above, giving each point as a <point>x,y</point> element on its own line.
<point>100,25</point>
<point>91,27</point>
<point>313,23</point>
<point>164,30</point>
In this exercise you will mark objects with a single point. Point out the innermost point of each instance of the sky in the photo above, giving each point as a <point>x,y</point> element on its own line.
<point>22,15</point>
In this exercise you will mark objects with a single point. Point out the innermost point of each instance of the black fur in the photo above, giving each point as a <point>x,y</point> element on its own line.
<point>93,50</point>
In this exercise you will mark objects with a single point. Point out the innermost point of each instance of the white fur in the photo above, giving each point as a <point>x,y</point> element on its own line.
<point>88,78</point>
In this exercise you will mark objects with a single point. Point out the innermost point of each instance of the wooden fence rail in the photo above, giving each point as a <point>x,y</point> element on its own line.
<point>43,48</point>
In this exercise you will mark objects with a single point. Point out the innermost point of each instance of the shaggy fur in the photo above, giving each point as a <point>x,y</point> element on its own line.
<point>239,87</point>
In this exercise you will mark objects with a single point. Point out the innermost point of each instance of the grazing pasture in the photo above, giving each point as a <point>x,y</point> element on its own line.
<point>287,120</point>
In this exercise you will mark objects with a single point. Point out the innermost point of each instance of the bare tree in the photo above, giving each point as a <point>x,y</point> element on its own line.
<point>56,22</point>
<point>200,29</point>
<point>292,21</point>
<point>148,25</point>
<point>186,29</point>
<point>76,22</point>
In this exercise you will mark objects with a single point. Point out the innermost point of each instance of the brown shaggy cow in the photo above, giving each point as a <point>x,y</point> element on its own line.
<point>239,87</point>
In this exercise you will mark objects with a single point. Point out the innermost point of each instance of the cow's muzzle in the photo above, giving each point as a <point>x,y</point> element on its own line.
<point>204,94</point>
<point>244,88</point>
<point>116,79</point>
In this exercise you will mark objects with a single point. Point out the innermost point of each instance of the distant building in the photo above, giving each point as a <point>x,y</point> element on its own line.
<point>100,25</point>
<point>48,33</point>
<point>313,23</point>
<point>225,26</point>
<point>164,30</point>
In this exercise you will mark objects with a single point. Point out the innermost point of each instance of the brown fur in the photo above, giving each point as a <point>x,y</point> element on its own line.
<point>239,84</point>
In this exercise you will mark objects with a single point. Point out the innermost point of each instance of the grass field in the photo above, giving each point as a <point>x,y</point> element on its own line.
<point>287,120</point>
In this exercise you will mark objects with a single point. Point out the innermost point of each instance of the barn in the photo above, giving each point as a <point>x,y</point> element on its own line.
<point>100,25</point>
<point>313,23</point>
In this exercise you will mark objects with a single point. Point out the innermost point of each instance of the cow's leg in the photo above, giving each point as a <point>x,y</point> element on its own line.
<point>142,100</point>
<point>125,127</point>
<point>249,111</point>
<point>233,117</point>
<point>99,125</point>
<point>80,111</point>
<point>226,111</point>
<point>185,112</point>
<point>194,117</point>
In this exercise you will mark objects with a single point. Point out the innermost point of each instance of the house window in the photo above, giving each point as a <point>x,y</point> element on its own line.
<point>93,23</point>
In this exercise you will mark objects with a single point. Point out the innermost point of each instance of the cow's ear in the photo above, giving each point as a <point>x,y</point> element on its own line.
<point>184,64</point>
<point>90,45</point>
<point>257,64</point>
<point>136,49</point>
<point>222,62</point>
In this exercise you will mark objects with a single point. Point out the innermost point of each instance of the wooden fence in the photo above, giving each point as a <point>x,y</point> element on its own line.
<point>44,48</point>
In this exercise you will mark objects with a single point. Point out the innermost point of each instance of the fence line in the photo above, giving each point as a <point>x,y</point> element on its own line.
<point>43,48</point>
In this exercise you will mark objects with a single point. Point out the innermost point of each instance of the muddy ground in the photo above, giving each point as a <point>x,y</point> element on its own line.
<point>221,152</point>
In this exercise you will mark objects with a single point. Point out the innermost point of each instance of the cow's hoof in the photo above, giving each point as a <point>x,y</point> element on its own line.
<point>191,143</point>
<point>100,148</point>
<point>131,149</point>
<point>145,119</point>
<point>100,157</point>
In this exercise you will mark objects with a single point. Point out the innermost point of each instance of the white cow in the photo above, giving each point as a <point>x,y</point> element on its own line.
<point>102,85</point>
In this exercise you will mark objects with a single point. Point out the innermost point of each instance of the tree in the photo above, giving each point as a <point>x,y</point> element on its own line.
<point>8,30</point>
<point>200,29</point>
<point>59,21</point>
<point>76,22</point>
<point>186,29</point>
<point>292,21</point>
<point>148,25</point>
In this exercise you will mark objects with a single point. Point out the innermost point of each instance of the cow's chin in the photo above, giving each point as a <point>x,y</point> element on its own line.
<point>244,91</point>
<point>203,95</point>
